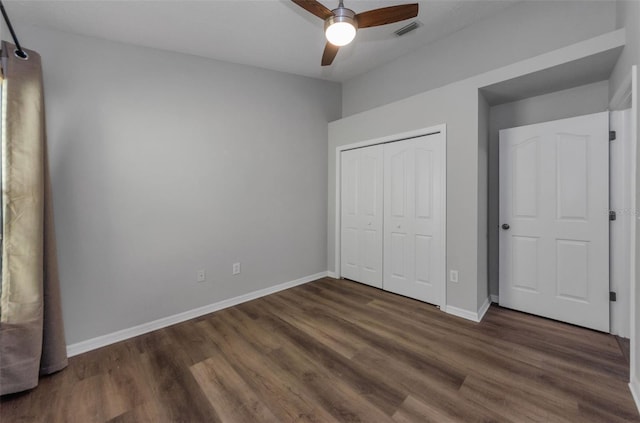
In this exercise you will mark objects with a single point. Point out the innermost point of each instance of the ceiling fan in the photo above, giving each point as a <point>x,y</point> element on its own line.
<point>341,24</point>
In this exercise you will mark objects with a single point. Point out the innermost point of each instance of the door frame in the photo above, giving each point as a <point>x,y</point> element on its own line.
<point>627,97</point>
<point>634,383</point>
<point>621,245</point>
<point>431,130</point>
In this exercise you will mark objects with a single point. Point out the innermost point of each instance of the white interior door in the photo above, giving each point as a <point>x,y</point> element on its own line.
<point>361,215</point>
<point>554,202</point>
<point>414,195</point>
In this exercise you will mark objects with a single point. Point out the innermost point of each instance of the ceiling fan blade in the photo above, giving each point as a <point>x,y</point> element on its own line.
<point>387,15</point>
<point>329,54</point>
<point>314,7</point>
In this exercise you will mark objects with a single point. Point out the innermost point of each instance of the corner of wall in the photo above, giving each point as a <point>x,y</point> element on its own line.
<point>483,201</point>
<point>482,310</point>
<point>469,315</point>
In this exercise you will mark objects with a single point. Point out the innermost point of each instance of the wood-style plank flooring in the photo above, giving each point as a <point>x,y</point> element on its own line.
<point>338,351</point>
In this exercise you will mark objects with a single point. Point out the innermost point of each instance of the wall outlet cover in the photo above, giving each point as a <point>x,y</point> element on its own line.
<point>453,275</point>
<point>202,276</point>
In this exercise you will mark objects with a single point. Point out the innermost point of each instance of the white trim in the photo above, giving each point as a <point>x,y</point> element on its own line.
<point>483,309</point>
<point>633,312</point>
<point>431,130</point>
<point>469,315</point>
<point>460,312</point>
<point>634,387</point>
<point>443,129</point>
<point>620,163</point>
<point>338,221</point>
<point>121,335</point>
<point>495,299</point>
<point>332,275</point>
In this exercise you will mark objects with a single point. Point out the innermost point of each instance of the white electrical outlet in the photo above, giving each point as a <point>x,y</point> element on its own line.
<point>236,268</point>
<point>453,275</point>
<point>202,276</point>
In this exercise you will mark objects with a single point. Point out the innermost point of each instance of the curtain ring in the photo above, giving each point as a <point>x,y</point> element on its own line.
<point>21,54</point>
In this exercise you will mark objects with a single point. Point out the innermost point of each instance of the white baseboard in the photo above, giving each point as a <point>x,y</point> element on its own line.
<point>495,299</point>
<point>332,275</point>
<point>634,387</point>
<point>469,315</point>
<point>483,309</point>
<point>460,312</point>
<point>121,335</point>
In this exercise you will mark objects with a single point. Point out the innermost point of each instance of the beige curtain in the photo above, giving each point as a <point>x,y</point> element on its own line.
<point>31,333</point>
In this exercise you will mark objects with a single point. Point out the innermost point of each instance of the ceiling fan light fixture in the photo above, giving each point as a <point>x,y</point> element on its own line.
<point>340,33</point>
<point>341,24</point>
<point>340,29</point>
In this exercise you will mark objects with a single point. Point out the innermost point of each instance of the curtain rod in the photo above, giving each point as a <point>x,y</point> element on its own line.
<point>19,51</point>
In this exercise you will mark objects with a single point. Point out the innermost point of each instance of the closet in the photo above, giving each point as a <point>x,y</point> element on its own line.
<point>392,216</point>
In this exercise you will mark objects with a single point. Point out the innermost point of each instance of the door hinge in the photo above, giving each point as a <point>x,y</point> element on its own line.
<point>612,215</point>
<point>612,135</point>
<point>612,296</point>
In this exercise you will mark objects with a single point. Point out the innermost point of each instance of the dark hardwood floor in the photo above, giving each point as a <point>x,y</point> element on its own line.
<point>338,351</point>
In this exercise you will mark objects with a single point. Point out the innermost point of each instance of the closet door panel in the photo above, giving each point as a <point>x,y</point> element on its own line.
<point>349,216</point>
<point>361,215</point>
<point>414,222</point>
<point>398,219</point>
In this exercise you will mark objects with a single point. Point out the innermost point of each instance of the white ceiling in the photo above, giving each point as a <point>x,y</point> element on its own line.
<point>272,34</point>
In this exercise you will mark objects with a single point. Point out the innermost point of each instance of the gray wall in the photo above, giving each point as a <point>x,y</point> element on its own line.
<point>577,101</point>
<point>520,31</point>
<point>164,164</point>
<point>627,12</point>
<point>483,219</point>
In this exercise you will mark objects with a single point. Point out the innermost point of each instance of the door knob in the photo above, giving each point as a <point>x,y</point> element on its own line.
<point>505,226</point>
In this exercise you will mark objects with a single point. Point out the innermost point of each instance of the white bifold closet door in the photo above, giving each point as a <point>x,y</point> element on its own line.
<point>361,215</point>
<point>414,195</point>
